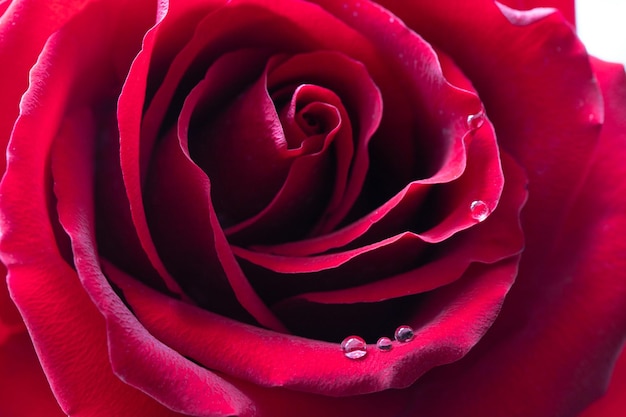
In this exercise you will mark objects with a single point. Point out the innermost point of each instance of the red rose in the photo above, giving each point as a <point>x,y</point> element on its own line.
<point>204,199</point>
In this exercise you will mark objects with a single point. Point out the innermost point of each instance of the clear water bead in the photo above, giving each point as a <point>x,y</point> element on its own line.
<point>354,347</point>
<point>475,121</point>
<point>404,334</point>
<point>384,344</point>
<point>479,209</point>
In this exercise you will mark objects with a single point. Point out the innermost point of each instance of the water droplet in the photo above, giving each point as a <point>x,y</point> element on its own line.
<point>479,209</point>
<point>384,344</point>
<point>354,347</point>
<point>404,334</point>
<point>475,121</point>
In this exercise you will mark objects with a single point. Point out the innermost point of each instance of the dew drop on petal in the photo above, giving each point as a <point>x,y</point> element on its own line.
<point>384,344</point>
<point>475,121</point>
<point>479,210</point>
<point>404,334</point>
<point>354,347</point>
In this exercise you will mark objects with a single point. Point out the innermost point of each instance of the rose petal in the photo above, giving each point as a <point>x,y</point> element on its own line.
<point>363,102</point>
<point>423,81</point>
<point>69,336</point>
<point>4,5</point>
<point>454,154</point>
<point>221,32</point>
<point>499,237</point>
<point>137,141</point>
<point>484,178</point>
<point>115,231</point>
<point>534,112</point>
<point>130,104</point>
<point>67,331</point>
<point>236,135</point>
<point>136,358</point>
<point>177,190</point>
<point>564,319</point>
<point>10,320</point>
<point>273,359</point>
<point>613,403</point>
<point>400,207</point>
<point>252,157</point>
<point>439,110</point>
<point>351,92</point>
<point>523,18</point>
<point>406,247</point>
<point>212,253</point>
<point>24,390</point>
<point>24,28</point>
<point>371,309</point>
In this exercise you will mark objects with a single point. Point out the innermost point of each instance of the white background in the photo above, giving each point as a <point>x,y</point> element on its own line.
<point>601,24</point>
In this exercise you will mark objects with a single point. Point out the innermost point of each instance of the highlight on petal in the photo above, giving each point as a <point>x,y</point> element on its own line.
<point>523,18</point>
<point>566,7</point>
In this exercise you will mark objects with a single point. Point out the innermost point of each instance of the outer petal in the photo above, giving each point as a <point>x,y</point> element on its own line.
<point>66,329</point>
<point>136,358</point>
<point>24,390</point>
<point>10,320</point>
<point>68,332</point>
<point>70,339</point>
<point>24,28</point>
<point>613,403</point>
<point>613,81</point>
<point>552,348</point>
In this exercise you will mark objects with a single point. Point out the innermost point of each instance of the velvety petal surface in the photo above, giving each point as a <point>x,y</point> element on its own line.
<point>10,319</point>
<point>135,357</point>
<point>24,28</point>
<point>67,330</point>
<point>551,322</point>
<point>24,390</point>
<point>612,403</point>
